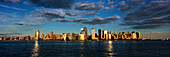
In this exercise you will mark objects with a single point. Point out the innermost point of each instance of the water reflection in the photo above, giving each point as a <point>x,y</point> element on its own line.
<point>35,49</point>
<point>110,49</point>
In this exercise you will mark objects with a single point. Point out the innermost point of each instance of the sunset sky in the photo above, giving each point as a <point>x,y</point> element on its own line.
<point>24,17</point>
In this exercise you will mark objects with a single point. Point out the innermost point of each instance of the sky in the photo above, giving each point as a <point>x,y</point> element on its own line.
<point>24,17</point>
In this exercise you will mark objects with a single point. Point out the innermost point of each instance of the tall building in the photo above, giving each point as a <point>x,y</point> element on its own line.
<point>47,36</point>
<point>73,36</point>
<point>138,35</point>
<point>93,34</point>
<point>64,36</point>
<point>99,33</point>
<point>51,35</point>
<point>37,34</point>
<point>68,36</point>
<point>120,35</point>
<point>81,37</point>
<point>85,35</point>
<point>42,36</point>
<point>104,34</point>
<point>133,35</point>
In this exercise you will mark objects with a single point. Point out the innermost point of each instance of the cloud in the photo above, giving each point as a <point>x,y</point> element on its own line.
<point>10,1</point>
<point>67,20</point>
<point>25,24</point>
<point>157,20</point>
<point>101,20</point>
<point>70,13</point>
<point>152,15</point>
<point>53,15</point>
<point>65,4</point>
<point>92,13</point>
<point>148,26</point>
<point>121,4</point>
<point>10,33</point>
<point>13,8</point>
<point>109,2</point>
<point>90,6</point>
<point>61,20</point>
<point>80,20</point>
<point>132,6</point>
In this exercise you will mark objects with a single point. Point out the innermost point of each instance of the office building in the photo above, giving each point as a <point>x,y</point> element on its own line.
<point>37,34</point>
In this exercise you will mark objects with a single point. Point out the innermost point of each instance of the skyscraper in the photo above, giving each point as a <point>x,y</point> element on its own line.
<point>81,37</point>
<point>68,36</point>
<point>99,33</point>
<point>64,36</point>
<point>47,36</point>
<point>93,34</point>
<point>42,36</point>
<point>104,34</point>
<point>51,35</point>
<point>37,34</point>
<point>85,35</point>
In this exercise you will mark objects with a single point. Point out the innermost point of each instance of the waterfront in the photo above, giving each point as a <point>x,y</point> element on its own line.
<point>84,48</point>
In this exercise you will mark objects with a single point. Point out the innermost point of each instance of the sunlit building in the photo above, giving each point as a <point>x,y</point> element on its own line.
<point>64,37</point>
<point>51,35</point>
<point>37,34</point>
<point>47,36</point>
<point>81,37</point>
<point>104,34</point>
<point>93,34</point>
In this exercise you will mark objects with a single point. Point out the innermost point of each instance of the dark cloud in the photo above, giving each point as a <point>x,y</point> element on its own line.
<point>157,20</point>
<point>67,20</point>
<point>53,15</point>
<point>152,15</point>
<point>101,20</point>
<point>130,23</point>
<point>109,2</point>
<point>10,33</point>
<point>96,21</point>
<point>25,24</point>
<point>90,6</point>
<point>80,20</point>
<point>66,4</point>
<point>121,4</point>
<point>11,1</point>
<point>18,23</point>
<point>132,5</point>
<point>61,20</point>
<point>71,13</point>
<point>148,26</point>
<point>92,13</point>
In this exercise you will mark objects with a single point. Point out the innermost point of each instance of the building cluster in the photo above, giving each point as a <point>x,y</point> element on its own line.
<point>83,36</point>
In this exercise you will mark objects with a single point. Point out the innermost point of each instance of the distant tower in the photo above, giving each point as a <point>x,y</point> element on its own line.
<point>68,36</point>
<point>104,34</point>
<point>93,33</point>
<point>51,35</point>
<point>138,35</point>
<point>64,36</point>
<point>42,36</point>
<point>47,36</point>
<point>37,34</point>
<point>99,33</point>
<point>85,35</point>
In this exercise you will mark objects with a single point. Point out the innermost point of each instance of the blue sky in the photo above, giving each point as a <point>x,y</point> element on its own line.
<point>23,17</point>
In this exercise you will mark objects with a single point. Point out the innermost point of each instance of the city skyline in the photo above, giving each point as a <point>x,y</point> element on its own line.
<point>23,17</point>
<point>105,35</point>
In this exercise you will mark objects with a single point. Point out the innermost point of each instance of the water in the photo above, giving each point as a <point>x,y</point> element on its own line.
<point>85,48</point>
